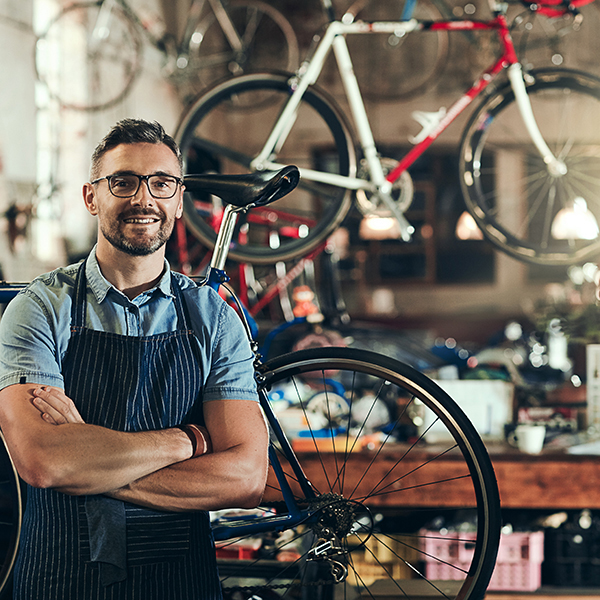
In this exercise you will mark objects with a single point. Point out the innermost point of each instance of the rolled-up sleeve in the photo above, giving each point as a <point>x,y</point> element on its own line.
<point>231,374</point>
<point>28,352</point>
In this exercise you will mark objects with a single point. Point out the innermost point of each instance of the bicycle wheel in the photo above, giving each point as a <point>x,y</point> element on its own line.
<point>266,42</point>
<point>10,518</point>
<point>564,40</point>
<point>87,63</point>
<point>506,184</point>
<point>210,139</point>
<point>390,514</point>
<point>393,67</point>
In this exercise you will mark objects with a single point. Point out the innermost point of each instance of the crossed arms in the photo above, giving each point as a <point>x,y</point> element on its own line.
<point>53,448</point>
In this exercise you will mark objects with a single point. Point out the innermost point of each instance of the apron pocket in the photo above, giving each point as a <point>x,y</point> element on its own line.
<point>156,537</point>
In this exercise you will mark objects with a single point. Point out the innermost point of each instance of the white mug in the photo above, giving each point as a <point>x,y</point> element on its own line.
<point>528,438</point>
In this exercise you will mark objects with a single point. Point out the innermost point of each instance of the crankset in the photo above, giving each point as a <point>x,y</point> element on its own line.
<point>370,203</point>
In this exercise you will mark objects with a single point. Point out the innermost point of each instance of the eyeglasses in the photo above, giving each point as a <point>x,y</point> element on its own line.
<point>126,186</point>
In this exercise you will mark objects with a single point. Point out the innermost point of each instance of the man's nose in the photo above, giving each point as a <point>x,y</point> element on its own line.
<point>143,197</point>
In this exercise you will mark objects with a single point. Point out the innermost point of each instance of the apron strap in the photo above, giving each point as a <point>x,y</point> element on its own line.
<point>78,307</point>
<point>183,315</point>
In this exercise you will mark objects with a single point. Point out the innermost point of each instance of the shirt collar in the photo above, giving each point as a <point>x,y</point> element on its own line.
<point>100,286</point>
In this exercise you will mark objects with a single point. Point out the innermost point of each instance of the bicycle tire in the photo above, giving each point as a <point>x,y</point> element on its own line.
<point>391,67</point>
<point>269,43</point>
<point>566,40</point>
<point>86,74</point>
<point>10,518</point>
<point>380,546</point>
<point>505,183</point>
<point>209,139</point>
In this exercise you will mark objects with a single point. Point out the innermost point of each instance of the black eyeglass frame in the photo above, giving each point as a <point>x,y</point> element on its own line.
<point>178,181</point>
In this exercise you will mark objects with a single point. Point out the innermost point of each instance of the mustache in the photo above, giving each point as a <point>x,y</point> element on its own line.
<point>143,212</point>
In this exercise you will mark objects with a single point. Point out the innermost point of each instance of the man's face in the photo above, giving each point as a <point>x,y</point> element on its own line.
<point>139,225</point>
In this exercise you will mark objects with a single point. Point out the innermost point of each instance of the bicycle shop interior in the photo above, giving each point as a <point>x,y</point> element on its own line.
<point>515,344</point>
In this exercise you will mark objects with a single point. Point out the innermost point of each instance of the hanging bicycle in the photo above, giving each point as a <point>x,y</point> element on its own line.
<point>528,150</point>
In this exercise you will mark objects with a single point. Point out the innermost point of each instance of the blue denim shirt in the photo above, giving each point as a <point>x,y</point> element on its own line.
<point>35,328</point>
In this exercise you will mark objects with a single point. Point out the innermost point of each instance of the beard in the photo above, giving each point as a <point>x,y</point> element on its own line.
<point>113,231</point>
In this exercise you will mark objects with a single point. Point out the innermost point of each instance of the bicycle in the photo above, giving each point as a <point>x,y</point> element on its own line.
<point>323,523</point>
<point>418,62</point>
<point>90,54</point>
<point>526,151</point>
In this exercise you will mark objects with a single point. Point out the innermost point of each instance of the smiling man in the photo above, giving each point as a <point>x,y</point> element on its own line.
<point>127,399</point>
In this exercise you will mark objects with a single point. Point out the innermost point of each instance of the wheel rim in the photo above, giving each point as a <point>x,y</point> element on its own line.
<point>10,501</point>
<point>402,549</point>
<point>507,185</point>
<point>67,55</point>
<point>412,62</point>
<point>210,140</point>
<point>268,40</point>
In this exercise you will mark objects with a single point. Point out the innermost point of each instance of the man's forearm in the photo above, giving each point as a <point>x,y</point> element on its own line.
<point>232,478</point>
<point>85,459</point>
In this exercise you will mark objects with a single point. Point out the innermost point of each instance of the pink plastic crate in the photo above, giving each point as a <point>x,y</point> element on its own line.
<point>516,577</point>
<point>519,547</point>
<point>518,567</point>
<point>442,546</point>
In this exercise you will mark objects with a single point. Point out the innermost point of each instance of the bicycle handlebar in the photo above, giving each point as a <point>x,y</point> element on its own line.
<point>553,8</point>
<point>246,191</point>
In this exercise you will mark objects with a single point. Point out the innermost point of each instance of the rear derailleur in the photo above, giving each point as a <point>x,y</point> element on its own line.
<point>328,548</point>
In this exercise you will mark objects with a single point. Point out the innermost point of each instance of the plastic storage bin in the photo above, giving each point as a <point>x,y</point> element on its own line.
<point>573,554</point>
<point>518,567</point>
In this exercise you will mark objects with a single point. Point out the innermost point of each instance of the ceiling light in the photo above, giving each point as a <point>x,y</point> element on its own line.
<point>373,227</point>
<point>575,222</point>
<point>467,228</point>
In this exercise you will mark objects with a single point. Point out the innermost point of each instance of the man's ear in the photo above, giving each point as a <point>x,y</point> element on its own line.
<point>89,198</point>
<point>180,205</point>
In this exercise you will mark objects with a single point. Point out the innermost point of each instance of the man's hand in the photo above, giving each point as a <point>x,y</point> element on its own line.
<point>55,406</point>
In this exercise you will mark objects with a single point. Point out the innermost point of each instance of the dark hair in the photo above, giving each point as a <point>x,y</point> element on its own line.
<point>133,131</point>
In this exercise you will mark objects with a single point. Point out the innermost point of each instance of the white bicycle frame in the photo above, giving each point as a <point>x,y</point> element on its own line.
<point>380,183</point>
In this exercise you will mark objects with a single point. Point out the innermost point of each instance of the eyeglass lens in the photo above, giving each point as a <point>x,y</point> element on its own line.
<point>160,186</point>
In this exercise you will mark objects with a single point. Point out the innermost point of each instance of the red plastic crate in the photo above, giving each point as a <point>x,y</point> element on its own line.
<point>241,549</point>
<point>518,567</point>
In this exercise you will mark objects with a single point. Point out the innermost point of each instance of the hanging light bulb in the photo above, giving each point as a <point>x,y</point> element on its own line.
<point>467,228</point>
<point>575,222</point>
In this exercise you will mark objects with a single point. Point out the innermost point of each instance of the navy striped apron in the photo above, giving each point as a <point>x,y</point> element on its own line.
<point>98,548</point>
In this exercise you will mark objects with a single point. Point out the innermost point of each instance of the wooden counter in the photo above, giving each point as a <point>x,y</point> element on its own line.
<point>551,480</point>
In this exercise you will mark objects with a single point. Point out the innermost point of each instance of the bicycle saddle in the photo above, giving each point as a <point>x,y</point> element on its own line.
<point>246,191</point>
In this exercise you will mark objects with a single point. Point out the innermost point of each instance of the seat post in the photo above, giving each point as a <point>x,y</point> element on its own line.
<point>224,237</point>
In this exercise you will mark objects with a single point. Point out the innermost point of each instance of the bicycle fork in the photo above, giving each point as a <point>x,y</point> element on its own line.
<point>556,167</point>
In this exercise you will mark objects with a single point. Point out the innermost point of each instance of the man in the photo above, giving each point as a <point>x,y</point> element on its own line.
<point>100,365</point>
